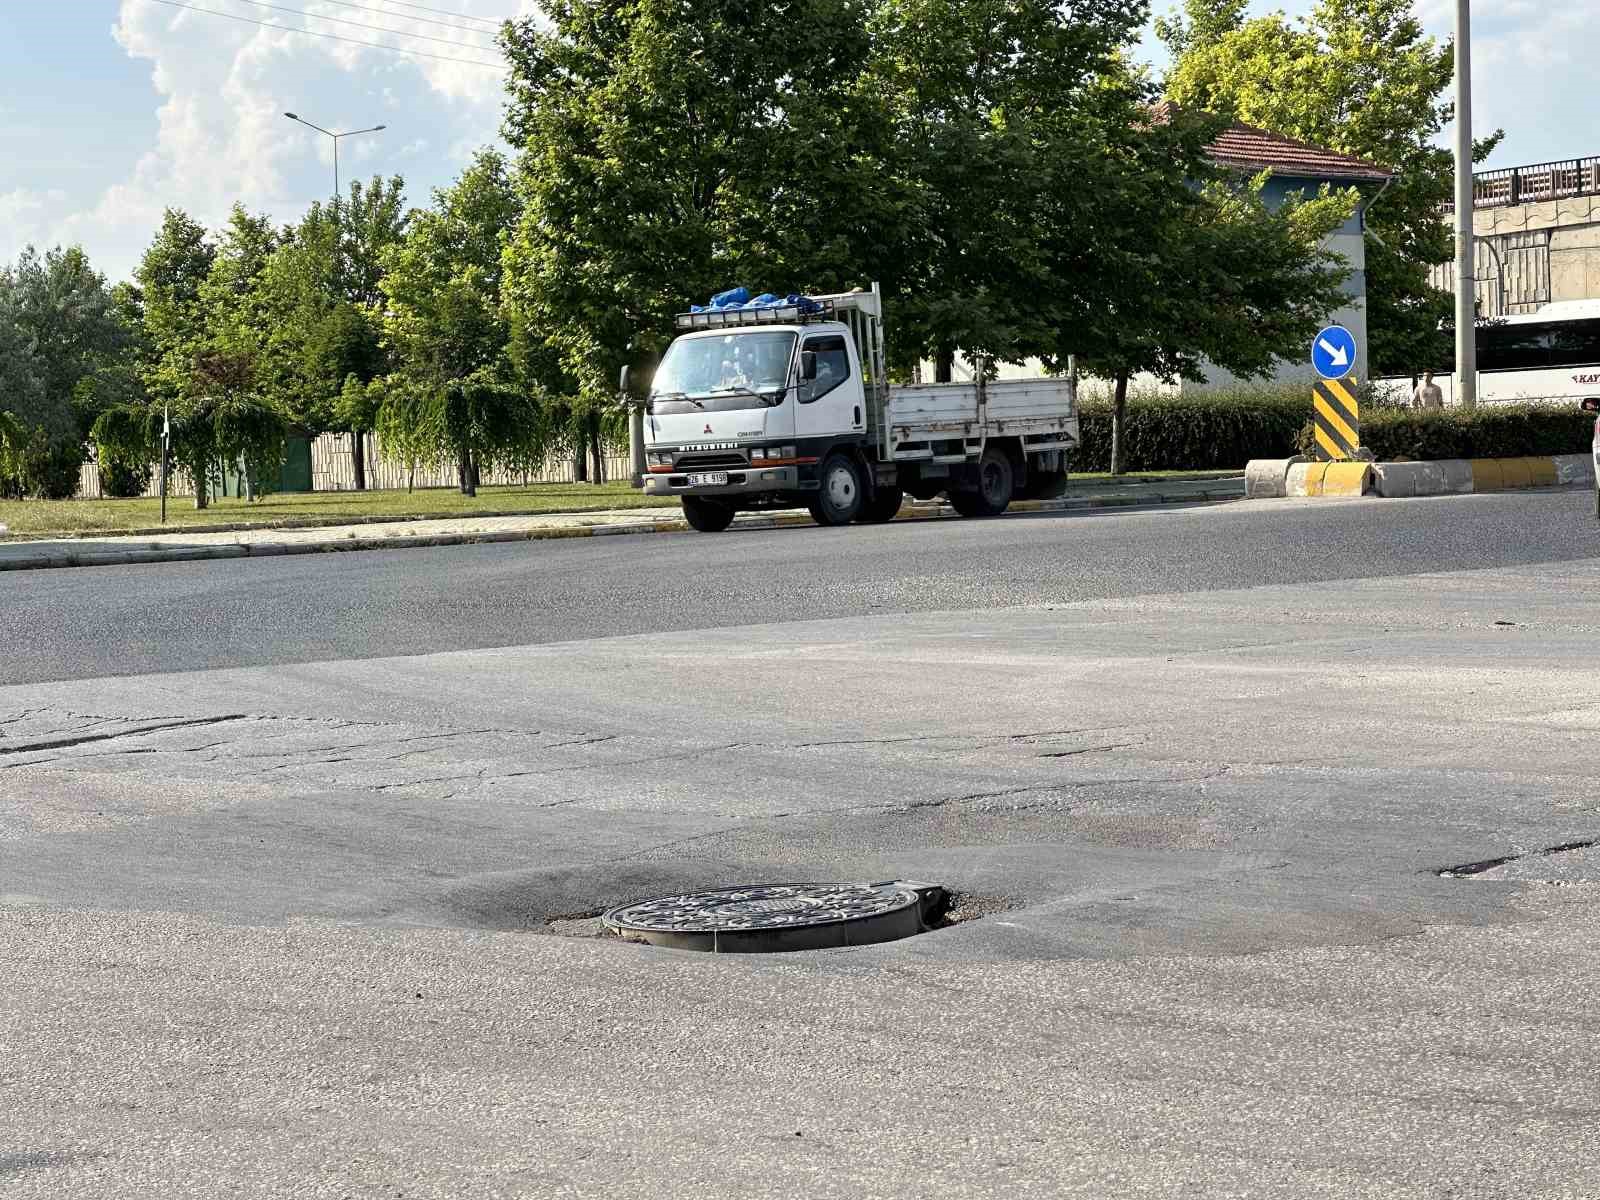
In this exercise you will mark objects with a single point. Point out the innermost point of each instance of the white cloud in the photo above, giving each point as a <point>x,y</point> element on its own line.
<point>220,90</point>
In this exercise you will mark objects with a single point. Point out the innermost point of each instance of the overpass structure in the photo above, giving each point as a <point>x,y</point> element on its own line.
<point>1536,236</point>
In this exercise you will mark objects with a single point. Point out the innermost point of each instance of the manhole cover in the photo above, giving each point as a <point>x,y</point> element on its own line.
<point>784,916</point>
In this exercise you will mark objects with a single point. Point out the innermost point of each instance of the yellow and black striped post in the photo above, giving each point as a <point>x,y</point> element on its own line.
<point>1337,419</point>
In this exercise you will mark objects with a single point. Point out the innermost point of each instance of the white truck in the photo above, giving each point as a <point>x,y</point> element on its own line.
<point>784,405</point>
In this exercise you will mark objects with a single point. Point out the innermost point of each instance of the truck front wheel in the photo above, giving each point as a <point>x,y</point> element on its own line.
<point>707,516</point>
<point>838,500</point>
<point>996,479</point>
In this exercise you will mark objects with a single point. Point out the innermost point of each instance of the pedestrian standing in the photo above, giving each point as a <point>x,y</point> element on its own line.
<point>1428,394</point>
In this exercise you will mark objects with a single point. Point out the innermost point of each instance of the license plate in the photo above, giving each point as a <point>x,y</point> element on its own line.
<point>709,479</point>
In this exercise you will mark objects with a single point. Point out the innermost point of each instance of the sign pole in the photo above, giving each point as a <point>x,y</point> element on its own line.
<point>1466,277</point>
<point>166,439</point>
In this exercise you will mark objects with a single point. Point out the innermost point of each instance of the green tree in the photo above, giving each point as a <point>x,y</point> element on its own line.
<point>65,311</point>
<point>1001,114</point>
<point>171,277</point>
<point>667,153</point>
<point>458,394</point>
<point>1360,77</point>
<point>320,293</point>
<point>24,415</point>
<point>1221,278</point>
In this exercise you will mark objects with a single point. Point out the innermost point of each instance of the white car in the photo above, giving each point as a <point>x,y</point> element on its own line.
<point>1592,404</point>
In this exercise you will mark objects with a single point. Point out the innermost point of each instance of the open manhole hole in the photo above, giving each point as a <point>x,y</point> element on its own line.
<point>769,918</point>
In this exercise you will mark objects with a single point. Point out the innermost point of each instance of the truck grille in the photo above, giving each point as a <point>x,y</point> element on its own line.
<point>701,462</point>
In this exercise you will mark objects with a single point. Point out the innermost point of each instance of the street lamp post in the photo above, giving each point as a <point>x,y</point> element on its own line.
<point>1466,281</point>
<point>335,137</point>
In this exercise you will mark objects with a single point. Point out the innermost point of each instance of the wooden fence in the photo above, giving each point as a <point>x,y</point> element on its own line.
<point>333,471</point>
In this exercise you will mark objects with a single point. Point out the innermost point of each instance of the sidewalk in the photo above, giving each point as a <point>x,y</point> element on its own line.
<point>187,545</point>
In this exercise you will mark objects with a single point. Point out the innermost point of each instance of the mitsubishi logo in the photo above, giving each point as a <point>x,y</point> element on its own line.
<point>708,428</point>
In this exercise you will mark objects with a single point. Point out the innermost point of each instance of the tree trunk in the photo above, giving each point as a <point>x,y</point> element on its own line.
<point>358,461</point>
<point>477,473</point>
<point>580,460</point>
<point>411,479</point>
<point>202,485</point>
<point>596,451</point>
<point>944,366</point>
<point>1119,412</point>
<point>469,485</point>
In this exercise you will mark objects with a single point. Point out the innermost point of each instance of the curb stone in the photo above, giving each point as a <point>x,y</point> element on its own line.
<point>84,557</point>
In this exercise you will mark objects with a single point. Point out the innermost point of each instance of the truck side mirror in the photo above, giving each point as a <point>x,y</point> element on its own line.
<point>808,365</point>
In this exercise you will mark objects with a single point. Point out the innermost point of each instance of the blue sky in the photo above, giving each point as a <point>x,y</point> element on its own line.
<point>114,109</point>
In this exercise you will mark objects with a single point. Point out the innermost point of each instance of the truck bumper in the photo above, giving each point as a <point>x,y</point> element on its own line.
<point>741,482</point>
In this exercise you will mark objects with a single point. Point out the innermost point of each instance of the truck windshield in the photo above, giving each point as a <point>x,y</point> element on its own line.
<point>735,370</point>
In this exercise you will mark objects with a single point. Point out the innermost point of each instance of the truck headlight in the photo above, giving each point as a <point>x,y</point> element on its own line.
<point>757,454</point>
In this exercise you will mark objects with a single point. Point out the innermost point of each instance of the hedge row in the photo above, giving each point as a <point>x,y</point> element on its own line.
<point>1498,431</point>
<point>1214,431</point>
<point>1225,430</point>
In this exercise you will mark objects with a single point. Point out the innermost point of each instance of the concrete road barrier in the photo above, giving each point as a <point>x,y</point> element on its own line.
<point>1347,479</point>
<point>1304,479</point>
<point>1409,479</point>
<point>1440,477</point>
<point>1573,468</point>
<point>1328,479</point>
<point>1267,478</point>
<point>1457,475</point>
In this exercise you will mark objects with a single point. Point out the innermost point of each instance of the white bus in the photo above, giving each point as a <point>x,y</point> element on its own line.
<point>1550,355</point>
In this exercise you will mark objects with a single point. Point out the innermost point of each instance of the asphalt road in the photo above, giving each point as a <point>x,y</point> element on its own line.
<point>311,923</point>
<point>88,622</point>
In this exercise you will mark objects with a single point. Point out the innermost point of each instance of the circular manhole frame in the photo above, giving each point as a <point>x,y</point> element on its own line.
<point>771,918</point>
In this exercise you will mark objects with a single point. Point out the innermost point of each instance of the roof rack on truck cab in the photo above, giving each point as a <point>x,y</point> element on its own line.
<point>810,308</point>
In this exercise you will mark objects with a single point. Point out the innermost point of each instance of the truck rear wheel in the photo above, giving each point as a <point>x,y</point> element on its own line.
<point>883,506</point>
<point>707,516</point>
<point>839,498</point>
<point>995,481</point>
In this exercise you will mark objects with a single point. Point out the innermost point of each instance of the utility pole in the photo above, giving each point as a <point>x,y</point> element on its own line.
<point>1466,277</point>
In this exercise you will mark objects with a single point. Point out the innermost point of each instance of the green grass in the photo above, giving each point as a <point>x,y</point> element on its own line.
<point>33,517</point>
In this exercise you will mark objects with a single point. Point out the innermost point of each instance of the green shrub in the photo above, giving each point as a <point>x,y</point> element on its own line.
<point>123,481</point>
<point>1220,430</point>
<point>40,467</point>
<point>1492,431</point>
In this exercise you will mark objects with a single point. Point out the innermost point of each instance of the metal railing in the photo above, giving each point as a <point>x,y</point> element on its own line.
<point>1534,184</point>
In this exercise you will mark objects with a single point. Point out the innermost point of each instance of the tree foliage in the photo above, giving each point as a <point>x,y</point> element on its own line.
<point>456,393</point>
<point>668,152</point>
<point>1002,118</point>
<point>1360,77</point>
<point>65,334</point>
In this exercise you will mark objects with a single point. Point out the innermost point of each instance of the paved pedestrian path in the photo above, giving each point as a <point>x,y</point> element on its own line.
<point>190,544</point>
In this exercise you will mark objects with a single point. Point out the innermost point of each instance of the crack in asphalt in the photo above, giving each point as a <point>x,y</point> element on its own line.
<point>1466,870</point>
<point>138,731</point>
<point>1089,750</point>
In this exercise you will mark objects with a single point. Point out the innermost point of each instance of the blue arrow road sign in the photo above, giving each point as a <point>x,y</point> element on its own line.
<point>1333,352</point>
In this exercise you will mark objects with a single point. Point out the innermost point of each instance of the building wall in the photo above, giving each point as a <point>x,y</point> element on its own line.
<point>1528,255</point>
<point>1349,242</point>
